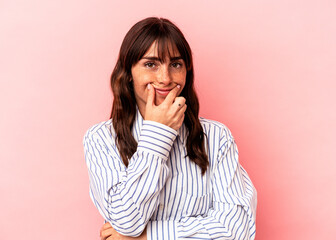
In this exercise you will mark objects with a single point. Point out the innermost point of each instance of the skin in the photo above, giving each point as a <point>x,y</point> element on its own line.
<point>157,86</point>
<point>108,233</point>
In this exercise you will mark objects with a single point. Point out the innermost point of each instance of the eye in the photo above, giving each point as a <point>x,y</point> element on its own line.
<point>150,64</point>
<point>176,65</point>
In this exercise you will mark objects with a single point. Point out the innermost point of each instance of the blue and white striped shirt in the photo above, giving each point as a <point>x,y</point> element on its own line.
<point>165,191</point>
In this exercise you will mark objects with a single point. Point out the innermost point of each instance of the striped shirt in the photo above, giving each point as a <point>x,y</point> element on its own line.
<point>163,190</point>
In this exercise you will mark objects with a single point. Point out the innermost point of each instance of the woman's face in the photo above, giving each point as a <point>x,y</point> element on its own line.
<point>163,76</point>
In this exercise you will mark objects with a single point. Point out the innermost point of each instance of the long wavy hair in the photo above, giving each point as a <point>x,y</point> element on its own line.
<point>135,44</point>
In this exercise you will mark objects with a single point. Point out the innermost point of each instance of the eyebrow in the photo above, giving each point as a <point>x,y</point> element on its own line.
<point>158,59</point>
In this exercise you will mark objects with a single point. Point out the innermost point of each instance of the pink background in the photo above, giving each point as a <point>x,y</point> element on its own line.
<point>264,68</point>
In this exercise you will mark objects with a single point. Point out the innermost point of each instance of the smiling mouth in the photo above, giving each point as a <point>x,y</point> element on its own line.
<point>163,92</point>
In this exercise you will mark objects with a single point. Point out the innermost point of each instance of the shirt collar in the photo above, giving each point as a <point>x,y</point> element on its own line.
<point>138,122</point>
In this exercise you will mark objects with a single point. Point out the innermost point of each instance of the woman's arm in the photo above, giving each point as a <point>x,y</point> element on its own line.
<point>127,197</point>
<point>232,215</point>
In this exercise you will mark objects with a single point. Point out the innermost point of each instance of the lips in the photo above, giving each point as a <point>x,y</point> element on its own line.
<point>162,91</point>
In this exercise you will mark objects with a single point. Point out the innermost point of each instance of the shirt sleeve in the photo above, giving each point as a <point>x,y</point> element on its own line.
<point>127,197</point>
<point>233,209</point>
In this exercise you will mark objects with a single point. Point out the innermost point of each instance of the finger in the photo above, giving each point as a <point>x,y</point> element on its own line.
<point>182,109</point>
<point>179,106</point>
<point>107,233</point>
<point>179,118</point>
<point>172,94</point>
<point>150,95</point>
<point>180,121</point>
<point>106,226</point>
<point>179,102</point>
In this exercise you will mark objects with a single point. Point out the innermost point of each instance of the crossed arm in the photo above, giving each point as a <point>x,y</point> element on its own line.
<point>232,215</point>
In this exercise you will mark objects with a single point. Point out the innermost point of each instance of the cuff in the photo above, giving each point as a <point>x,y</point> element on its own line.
<point>156,138</point>
<point>161,230</point>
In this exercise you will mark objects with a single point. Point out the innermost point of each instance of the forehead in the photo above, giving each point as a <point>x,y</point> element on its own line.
<point>162,50</point>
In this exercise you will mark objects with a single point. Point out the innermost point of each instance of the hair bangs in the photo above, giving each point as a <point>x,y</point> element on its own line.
<point>166,48</point>
<point>168,41</point>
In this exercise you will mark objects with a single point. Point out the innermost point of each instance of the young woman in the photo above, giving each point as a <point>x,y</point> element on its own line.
<point>157,170</point>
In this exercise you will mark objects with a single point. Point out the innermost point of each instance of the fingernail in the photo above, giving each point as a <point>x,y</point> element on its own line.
<point>178,86</point>
<point>148,86</point>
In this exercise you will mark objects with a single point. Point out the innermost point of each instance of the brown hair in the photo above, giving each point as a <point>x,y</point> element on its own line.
<point>135,44</point>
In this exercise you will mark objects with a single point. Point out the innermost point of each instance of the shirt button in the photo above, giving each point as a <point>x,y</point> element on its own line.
<point>161,206</point>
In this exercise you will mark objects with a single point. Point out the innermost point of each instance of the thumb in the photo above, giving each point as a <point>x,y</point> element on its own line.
<point>150,95</point>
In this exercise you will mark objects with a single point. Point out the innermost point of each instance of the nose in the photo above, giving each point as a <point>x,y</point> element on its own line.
<point>164,75</point>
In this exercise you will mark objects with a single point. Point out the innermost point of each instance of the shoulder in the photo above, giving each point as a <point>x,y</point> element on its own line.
<point>218,140</point>
<point>100,130</point>
<point>215,129</point>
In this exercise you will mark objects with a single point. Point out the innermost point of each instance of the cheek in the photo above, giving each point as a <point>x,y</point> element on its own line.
<point>139,89</point>
<point>182,81</point>
<point>140,76</point>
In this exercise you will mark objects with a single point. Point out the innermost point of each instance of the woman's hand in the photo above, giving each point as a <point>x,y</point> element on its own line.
<point>107,232</point>
<point>170,112</point>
